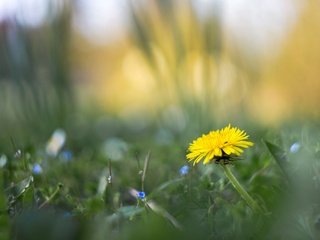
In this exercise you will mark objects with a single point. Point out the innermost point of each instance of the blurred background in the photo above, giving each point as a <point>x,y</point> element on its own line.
<point>195,59</point>
<point>86,82</point>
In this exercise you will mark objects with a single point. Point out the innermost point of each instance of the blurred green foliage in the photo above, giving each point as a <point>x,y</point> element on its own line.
<point>34,83</point>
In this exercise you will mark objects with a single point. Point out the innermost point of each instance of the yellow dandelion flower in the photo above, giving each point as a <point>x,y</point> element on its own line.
<point>219,146</point>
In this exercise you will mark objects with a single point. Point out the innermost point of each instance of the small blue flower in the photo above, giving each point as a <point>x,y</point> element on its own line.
<point>295,147</point>
<point>37,169</point>
<point>67,215</point>
<point>66,155</point>
<point>141,195</point>
<point>184,170</point>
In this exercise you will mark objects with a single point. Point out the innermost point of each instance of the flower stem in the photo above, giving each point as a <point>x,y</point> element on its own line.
<point>52,196</point>
<point>243,193</point>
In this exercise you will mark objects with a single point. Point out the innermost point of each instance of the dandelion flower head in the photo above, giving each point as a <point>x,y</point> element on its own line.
<point>218,145</point>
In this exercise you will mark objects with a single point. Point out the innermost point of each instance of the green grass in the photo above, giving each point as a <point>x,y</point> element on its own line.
<point>69,201</point>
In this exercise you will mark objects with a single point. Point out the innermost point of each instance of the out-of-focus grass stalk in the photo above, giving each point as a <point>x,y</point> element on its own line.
<point>177,46</point>
<point>145,168</point>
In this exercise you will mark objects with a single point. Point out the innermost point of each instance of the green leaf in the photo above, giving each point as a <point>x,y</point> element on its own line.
<point>130,211</point>
<point>19,189</point>
<point>127,212</point>
<point>279,155</point>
